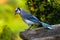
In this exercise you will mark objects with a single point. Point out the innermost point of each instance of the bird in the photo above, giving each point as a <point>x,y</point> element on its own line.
<point>31,19</point>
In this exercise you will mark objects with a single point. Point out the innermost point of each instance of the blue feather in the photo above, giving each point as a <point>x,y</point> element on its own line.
<point>46,25</point>
<point>33,19</point>
<point>30,19</point>
<point>28,16</point>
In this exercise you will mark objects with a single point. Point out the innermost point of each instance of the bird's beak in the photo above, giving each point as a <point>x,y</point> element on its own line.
<point>16,13</point>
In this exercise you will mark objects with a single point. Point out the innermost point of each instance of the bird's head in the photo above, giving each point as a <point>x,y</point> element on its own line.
<point>17,11</point>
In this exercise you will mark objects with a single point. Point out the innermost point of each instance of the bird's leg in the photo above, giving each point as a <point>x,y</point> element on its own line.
<point>29,27</point>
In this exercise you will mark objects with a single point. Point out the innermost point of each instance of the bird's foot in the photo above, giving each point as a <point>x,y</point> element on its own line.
<point>27,29</point>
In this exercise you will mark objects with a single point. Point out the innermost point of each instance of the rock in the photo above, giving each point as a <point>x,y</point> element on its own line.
<point>41,34</point>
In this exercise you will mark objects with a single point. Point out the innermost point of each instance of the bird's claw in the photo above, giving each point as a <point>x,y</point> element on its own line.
<point>27,29</point>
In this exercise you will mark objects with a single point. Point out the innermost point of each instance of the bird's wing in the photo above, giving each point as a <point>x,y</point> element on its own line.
<point>28,16</point>
<point>33,19</point>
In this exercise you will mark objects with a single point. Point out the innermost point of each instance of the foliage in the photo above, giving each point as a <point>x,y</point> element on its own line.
<point>7,34</point>
<point>11,24</point>
<point>46,10</point>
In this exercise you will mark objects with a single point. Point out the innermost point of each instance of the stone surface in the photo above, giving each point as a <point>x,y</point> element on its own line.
<point>41,34</point>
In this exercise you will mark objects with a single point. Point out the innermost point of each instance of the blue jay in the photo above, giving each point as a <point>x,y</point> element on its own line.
<point>30,19</point>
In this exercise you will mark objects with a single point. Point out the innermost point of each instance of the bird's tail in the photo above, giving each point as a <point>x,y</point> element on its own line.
<point>46,25</point>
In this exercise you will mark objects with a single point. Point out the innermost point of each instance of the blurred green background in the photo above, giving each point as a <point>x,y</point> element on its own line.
<point>10,25</point>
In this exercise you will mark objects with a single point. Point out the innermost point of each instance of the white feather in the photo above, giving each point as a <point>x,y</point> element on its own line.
<point>28,21</point>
